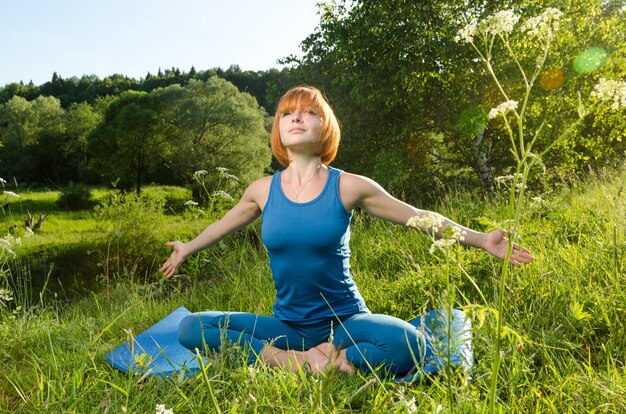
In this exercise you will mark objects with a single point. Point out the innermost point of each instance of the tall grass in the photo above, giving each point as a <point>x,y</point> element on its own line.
<point>563,344</point>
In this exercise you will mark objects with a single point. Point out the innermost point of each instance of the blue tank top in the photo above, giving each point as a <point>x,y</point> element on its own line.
<point>309,252</point>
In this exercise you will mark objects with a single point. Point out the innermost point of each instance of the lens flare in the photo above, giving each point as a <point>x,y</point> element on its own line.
<point>590,60</point>
<point>472,121</point>
<point>551,79</point>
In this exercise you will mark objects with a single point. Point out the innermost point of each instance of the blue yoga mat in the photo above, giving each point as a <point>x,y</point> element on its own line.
<point>448,343</point>
<point>156,351</point>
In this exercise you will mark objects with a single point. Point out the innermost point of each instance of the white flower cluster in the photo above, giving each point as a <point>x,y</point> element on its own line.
<point>160,409</point>
<point>191,203</point>
<point>199,174</point>
<point>5,296</point>
<point>441,244</point>
<point>611,90</point>
<point>430,222</point>
<point>404,404</point>
<point>499,23</point>
<point>7,243</point>
<point>504,178</point>
<point>544,25</point>
<point>503,108</point>
<point>503,22</point>
<point>466,34</point>
<point>10,193</point>
<point>222,194</point>
<point>224,173</point>
<point>458,234</point>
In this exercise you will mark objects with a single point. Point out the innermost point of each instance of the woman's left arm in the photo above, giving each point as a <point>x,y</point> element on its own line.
<point>362,192</point>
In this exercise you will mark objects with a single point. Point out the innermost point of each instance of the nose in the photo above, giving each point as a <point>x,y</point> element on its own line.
<point>296,116</point>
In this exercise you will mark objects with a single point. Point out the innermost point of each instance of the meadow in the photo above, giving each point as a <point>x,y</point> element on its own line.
<point>87,282</point>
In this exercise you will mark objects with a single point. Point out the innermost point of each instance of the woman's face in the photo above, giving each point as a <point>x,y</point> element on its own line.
<point>302,127</point>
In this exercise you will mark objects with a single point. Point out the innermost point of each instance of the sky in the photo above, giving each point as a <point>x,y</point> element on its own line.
<point>134,37</point>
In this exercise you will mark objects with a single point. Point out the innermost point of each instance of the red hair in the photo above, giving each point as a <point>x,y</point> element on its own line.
<point>307,97</point>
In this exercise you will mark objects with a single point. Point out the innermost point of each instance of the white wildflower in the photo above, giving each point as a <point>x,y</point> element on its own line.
<point>466,34</point>
<point>7,242</point>
<point>199,174</point>
<point>537,199</point>
<point>458,233</point>
<point>499,23</point>
<point>10,193</point>
<point>6,295</point>
<point>222,194</point>
<point>224,173</point>
<point>503,108</point>
<point>504,178</point>
<point>2,181</point>
<point>611,90</point>
<point>253,372</point>
<point>543,26</point>
<point>191,203</point>
<point>29,232</point>
<point>429,222</point>
<point>441,244</point>
<point>407,404</point>
<point>160,409</point>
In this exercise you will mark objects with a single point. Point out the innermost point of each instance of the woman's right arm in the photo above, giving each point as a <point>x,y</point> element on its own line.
<point>243,213</point>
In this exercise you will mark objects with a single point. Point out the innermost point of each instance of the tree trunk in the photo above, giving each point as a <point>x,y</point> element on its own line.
<point>482,161</point>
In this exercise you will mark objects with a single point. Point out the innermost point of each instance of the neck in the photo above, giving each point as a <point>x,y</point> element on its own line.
<point>301,169</point>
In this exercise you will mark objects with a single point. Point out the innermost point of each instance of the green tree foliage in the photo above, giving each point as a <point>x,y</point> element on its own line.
<point>170,133</point>
<point>129,144</point>
<point>80,120</point>
<point>30,133</point>
<point>214,125</point>
<point>265,86</point>
<point>412,101</point>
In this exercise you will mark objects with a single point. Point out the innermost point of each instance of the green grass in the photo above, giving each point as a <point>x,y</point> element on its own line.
<point>565,316</point>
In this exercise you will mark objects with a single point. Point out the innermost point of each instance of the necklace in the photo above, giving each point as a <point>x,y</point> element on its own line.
<point>308,180</point>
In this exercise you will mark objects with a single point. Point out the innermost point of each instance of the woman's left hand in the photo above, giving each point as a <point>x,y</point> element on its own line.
<point>497,244</point>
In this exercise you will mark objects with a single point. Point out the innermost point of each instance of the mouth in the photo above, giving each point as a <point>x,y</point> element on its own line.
<point>296,130</point>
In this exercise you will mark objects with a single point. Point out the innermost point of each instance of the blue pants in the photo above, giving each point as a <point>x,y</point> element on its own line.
<point>377,340</point>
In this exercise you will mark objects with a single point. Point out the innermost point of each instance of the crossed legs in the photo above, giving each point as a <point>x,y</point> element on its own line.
<point>362,341</point>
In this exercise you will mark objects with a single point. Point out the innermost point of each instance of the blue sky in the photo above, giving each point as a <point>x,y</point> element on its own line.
<point>134,37</point>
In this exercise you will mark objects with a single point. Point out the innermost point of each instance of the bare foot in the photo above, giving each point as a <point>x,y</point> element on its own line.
<point>316,359</point>
<point>335,357</point>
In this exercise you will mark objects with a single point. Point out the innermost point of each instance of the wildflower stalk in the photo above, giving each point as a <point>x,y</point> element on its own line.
<point>542,28</point>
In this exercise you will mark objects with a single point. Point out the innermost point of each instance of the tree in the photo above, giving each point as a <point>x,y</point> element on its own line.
<point>80,120</point>
<point>168,134</point>
<point>129,143</point>
<point>29,131</point>
<point>405,92</point>
<point>212,124</point>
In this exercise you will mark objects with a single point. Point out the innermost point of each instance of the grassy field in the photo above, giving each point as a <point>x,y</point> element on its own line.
<point>564,337</point>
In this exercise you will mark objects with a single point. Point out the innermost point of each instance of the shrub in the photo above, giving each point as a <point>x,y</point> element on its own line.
<point>75,197</point>
<point>131,225</point>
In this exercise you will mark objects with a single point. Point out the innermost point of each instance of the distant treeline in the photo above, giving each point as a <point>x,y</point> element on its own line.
<point>88,88</point>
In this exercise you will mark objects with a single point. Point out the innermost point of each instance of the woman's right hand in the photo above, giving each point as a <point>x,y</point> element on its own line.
<point>178,256</point>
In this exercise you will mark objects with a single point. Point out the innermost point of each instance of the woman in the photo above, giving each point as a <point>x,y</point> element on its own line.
<point>320,318</point>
